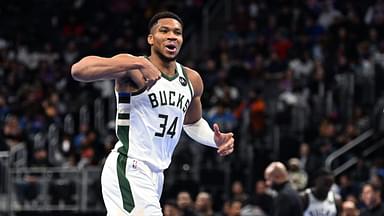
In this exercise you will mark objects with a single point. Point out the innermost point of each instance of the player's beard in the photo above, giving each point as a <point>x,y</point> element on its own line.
<point>163,57</point>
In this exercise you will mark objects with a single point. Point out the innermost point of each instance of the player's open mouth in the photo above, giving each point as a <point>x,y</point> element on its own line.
<point>170,48</point>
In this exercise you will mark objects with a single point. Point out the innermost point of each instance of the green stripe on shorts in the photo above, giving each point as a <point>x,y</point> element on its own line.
<point>125,188</point>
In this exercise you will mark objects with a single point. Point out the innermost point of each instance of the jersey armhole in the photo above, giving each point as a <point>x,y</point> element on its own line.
<point>139,91</point>
<point>305,199</point>
<point>188,81</point>
<point>335,201</point>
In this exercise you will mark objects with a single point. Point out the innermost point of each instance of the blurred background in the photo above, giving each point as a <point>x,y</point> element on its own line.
<point>298,81</point>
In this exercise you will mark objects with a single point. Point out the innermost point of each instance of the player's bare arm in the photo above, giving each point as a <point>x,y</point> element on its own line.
<point>193,120</point>
<point>93,68</point>
<point>194,112</point>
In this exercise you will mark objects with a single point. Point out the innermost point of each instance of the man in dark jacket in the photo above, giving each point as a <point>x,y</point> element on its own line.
<point>371,197</point>
<point>287,202</point>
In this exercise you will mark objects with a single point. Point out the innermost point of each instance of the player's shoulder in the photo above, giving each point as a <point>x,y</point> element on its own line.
<point>192,74</point>
<point>195,78</point>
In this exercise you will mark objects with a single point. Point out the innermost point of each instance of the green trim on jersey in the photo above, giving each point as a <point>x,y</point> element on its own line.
<point>124,97</point>
<point>186,77</point>
<point>123,129</point>
<point>123,115</point>
<point>125,187</point>
<point>170,78</point>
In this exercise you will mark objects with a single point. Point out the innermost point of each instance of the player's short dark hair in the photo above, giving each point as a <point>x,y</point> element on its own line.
<point>162,15</point>
<point>322,172</point>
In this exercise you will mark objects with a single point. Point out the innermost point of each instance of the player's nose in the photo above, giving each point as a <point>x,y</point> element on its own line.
<point>171,36</point>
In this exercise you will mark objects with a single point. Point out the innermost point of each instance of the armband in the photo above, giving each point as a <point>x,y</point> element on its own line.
<point>201,132</point>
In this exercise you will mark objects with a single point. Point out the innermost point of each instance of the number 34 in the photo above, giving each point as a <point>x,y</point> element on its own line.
<point>163,126</point>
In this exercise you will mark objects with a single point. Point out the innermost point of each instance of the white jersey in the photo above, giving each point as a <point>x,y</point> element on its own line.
<point>149,122</point>
<point>317,207</point>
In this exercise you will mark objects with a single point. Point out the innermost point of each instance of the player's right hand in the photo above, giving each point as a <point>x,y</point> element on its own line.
<point>150,72</point>
<point>224,141</point>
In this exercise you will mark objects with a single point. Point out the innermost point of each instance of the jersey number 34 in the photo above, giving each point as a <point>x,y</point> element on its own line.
<point>164,125</point>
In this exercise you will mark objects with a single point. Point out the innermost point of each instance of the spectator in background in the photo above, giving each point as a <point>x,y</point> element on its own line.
<point>376,178</point>
<point>30,187</point>
<point>185,203</point>
<point>308,161</point>
<point>349,208</point>
<point>275,68</point>
<point>252,112</point>
<point>257,113</point>
<point>329,14</point>
<point>287,202</point>
<point>237,191</point>
<point>203,204</point>
<point>80,138</point>
<point>361,172</point>
<point>371,197</point>
<point>302,67</point>
<point>377,171</point>
<point>223,117</point>
<point>262,198</point>
<point>249,209</point>
<point>170,208</point>
<point>234,208</point>
<point>15,139</point>
<point>224,92</point>
<point>281,44</point>
<point>374,14</point>
<point>346,187</point>
<point>4,109</point>
<point>297,176</point>
<point>350,132</point>
<point>13,132</point>
<point>323,144</point>
<point>89,146</point>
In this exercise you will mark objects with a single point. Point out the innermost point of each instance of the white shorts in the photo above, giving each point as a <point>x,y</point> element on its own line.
<point>130,187</point>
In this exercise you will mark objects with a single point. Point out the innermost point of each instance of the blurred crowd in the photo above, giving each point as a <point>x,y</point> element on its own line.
<point>281,195</point>
<point>313,70</point>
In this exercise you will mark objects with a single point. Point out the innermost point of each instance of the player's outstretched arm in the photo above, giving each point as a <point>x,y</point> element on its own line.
<point>93,68</point>
<point>198,129</point>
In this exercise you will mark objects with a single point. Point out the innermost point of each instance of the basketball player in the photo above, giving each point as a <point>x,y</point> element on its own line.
<point>156,98</point>
<point>321,200</point>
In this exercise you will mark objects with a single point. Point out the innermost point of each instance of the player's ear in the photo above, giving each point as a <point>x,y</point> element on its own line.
<point>150,39</point>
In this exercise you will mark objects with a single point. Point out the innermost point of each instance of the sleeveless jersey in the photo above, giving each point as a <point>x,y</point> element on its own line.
<point>149,122</point>
<point>321,208</point>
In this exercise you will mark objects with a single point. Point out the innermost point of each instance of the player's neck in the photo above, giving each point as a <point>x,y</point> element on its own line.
<point>318,195</point>
<point>166,67</point>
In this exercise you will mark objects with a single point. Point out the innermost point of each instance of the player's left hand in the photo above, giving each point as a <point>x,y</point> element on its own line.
<point>224,141</point>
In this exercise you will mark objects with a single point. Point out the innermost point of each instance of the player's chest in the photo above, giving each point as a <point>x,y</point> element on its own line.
<point>166,95</point>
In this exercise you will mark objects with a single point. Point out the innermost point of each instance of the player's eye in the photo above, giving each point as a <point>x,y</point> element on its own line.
<point>163,30</point>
